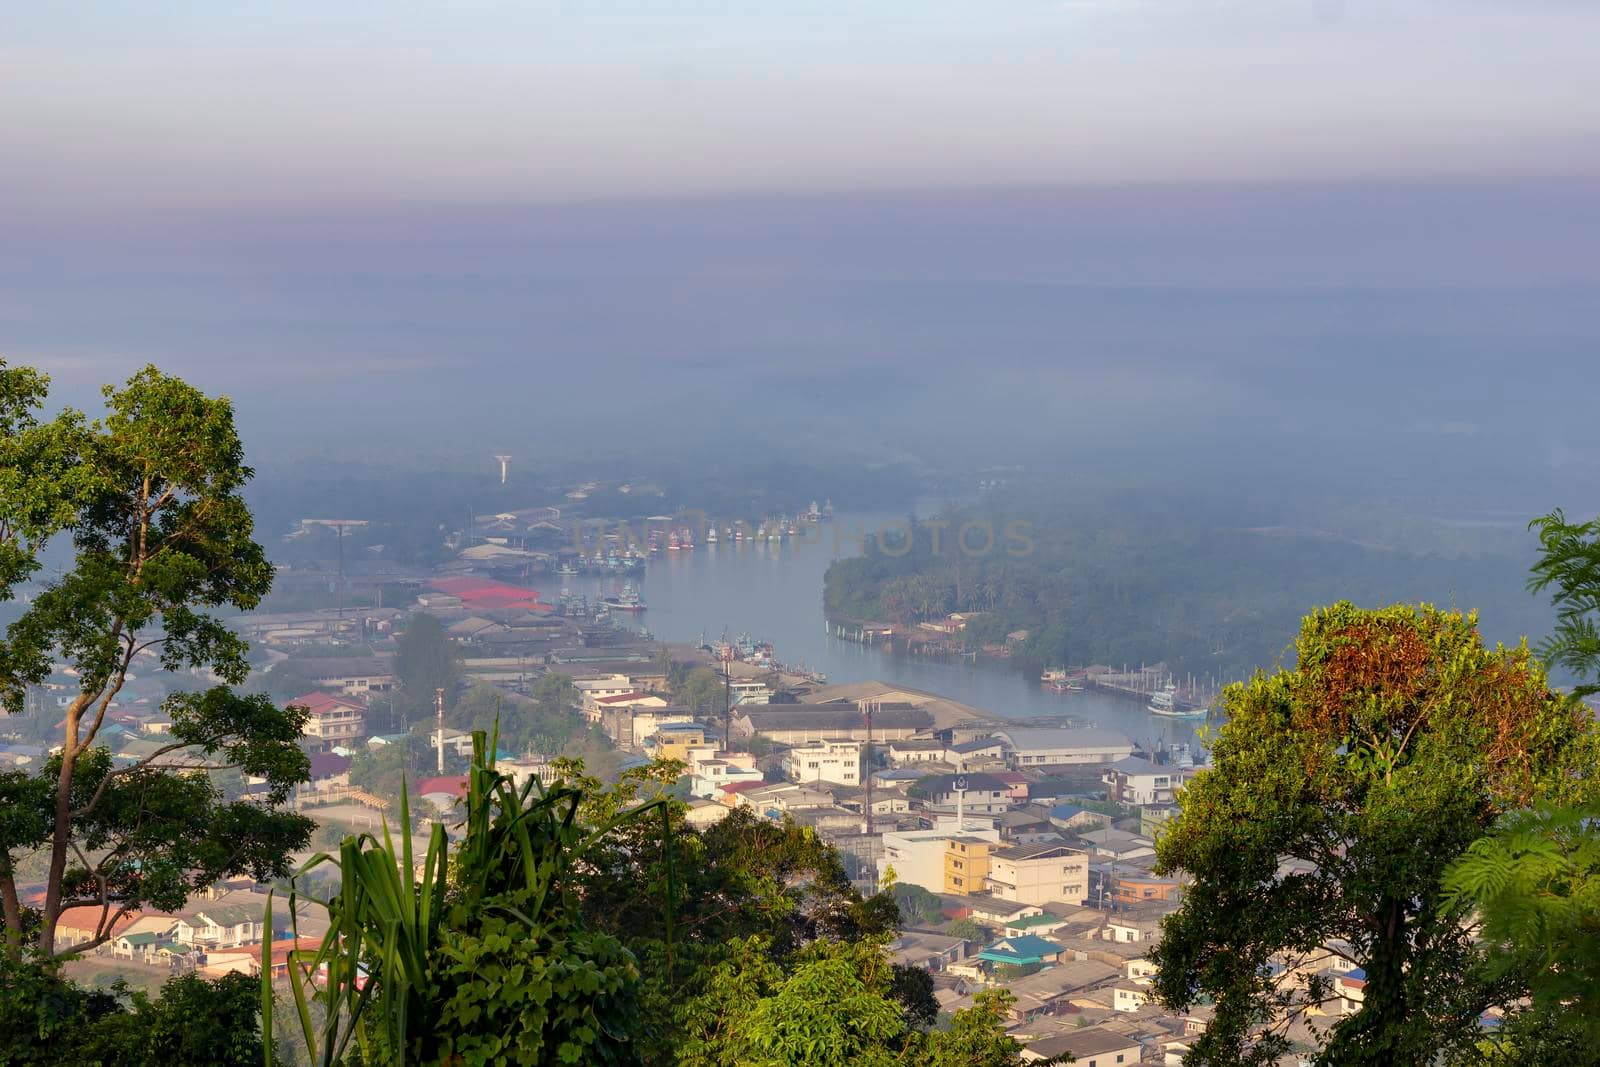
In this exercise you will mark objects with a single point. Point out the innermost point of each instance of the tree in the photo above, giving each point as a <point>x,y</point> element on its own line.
<point>45,1019</point>
<point>702,688</point>
<point>917,904</point>
<point>426,661</point>
<point>1340,792</point>
<point>966,929</point>
<point>1535,883</point>
<point>149,497</point>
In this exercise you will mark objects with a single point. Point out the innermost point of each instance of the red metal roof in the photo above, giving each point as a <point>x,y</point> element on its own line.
<point>453,784</point>
<point>487,593</point>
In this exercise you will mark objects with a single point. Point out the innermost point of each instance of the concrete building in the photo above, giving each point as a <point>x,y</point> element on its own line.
<point>917,856</point>
<point>793,724</point>
<point>1053,747</point>
<point>352,676</point>
<point>1039,874</point>
<point>332,720</point>
<point>1136,782</point>
<point>979,794</point>
<point>835,760</point>
<point>966,865</point>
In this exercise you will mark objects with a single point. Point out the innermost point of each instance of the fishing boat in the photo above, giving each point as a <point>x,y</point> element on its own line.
<point>711,536</point>
<point>567,570</point>
<point>1053,675</point>
<point>672,541</point>
<point>1164,702</point>
<point>627,600</point>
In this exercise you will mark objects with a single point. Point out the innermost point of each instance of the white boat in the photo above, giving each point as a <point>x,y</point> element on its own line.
<point>1164,702</point>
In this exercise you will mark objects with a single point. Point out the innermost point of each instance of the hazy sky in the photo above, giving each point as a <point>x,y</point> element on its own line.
<point>170,104</point>
<point>1144,223</point>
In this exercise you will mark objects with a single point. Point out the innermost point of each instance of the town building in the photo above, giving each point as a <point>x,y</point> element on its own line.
<point>1039,874</point>
<point>350,675</point>
<point>966,864</point>
<point>977,793</point>
<point>1027,748</point>
<point>917,856</point>
<point>1092,1046</point>
<point>834,760</point>
<point>794,724</point>
<point>1136,781</point>
<point>332,720</point>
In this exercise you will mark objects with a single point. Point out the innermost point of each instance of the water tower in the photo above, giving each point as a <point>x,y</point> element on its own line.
<point>503,461</point>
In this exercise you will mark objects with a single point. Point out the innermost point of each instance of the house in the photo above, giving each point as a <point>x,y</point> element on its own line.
<point>1091,1046</point>
<point>1037,924</point>
<point>1136,781</point>
<point>703,813</point>
<point>980,750</point>
<point>927,950</point>
<point>709,773</point>
<point>834,760</point>
<point>1055,747</point>
<point>773,801</point>
<point>1128,996</point>
<point>219,926</point>
<point>1039,874</point>
<point>1351,988</point>
<point>978,794</point>
<point>1118,845</point>
<point>330,777</point>
<point>352,676</point>
<point>140,947</point>
<point>331,720</point>
<point>521,769</point>
<point>607,685</point>
<point>81,924</point>
<point>913,751</point>
<point>1139,888</point>
<point>1120,928</point>
<point>966,864</point>
<point>748,691</point>
<point>631,719</point>
<point>1029,949</point>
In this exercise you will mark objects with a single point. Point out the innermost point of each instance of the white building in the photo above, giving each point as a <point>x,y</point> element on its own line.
<point>917,856</point>
<point>1045,748</point>
<point>835,760</point>
<point>1139,782</point>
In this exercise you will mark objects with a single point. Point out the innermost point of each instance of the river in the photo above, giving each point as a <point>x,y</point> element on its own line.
<point>773,592</point>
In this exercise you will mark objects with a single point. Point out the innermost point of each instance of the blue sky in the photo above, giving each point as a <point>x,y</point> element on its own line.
<point>222,105</point>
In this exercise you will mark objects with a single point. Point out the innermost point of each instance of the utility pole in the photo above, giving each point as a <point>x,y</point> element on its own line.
<point>727,700</point>
<point>438,710</point>
<point>866,761</point>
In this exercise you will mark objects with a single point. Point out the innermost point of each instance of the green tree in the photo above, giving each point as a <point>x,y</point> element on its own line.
<point>149,497</point>
<point>702,688</point>
<point>425,661</point>
<point>1535,883</point>
<point>1339,794</point>
<point>968,929</point>
<point>917,905</point>
<point>45,1019</point>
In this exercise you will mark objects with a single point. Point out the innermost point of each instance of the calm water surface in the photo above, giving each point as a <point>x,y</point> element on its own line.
<point>773,592</point>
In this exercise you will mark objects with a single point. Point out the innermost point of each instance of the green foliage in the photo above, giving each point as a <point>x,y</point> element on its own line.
<point>149,497</point>
<point>544,722</point>
<point>1569,560</point>
<point>1397,742</point>
<point>425,661</point>
<point>917,905</point>
<point>46,1019</point>
<point>967,929</point>
<point>701,688</point>
<point>1535,887</point>
<point>1107,577</point>
<point>416,969</point>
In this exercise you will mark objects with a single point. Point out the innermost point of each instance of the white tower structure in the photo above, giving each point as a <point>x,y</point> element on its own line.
<point>503,461</point>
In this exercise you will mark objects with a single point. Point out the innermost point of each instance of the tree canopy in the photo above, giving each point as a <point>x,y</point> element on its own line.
<point>148,497</point>
<point>1339,794</point>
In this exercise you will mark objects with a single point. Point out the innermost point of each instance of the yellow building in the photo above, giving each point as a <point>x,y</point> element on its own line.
<point>966,865</point>
<point>673,740</point>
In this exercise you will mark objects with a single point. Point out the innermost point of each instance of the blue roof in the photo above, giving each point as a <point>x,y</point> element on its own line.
<point>1066,811</point>
<point>1028,946</point>
<point>1359,974</point>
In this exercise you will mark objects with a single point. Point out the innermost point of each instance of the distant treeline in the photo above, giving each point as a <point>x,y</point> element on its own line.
<point>1123,580</point>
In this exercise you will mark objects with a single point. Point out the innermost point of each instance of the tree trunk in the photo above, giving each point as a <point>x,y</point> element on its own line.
<point>62,835</point>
